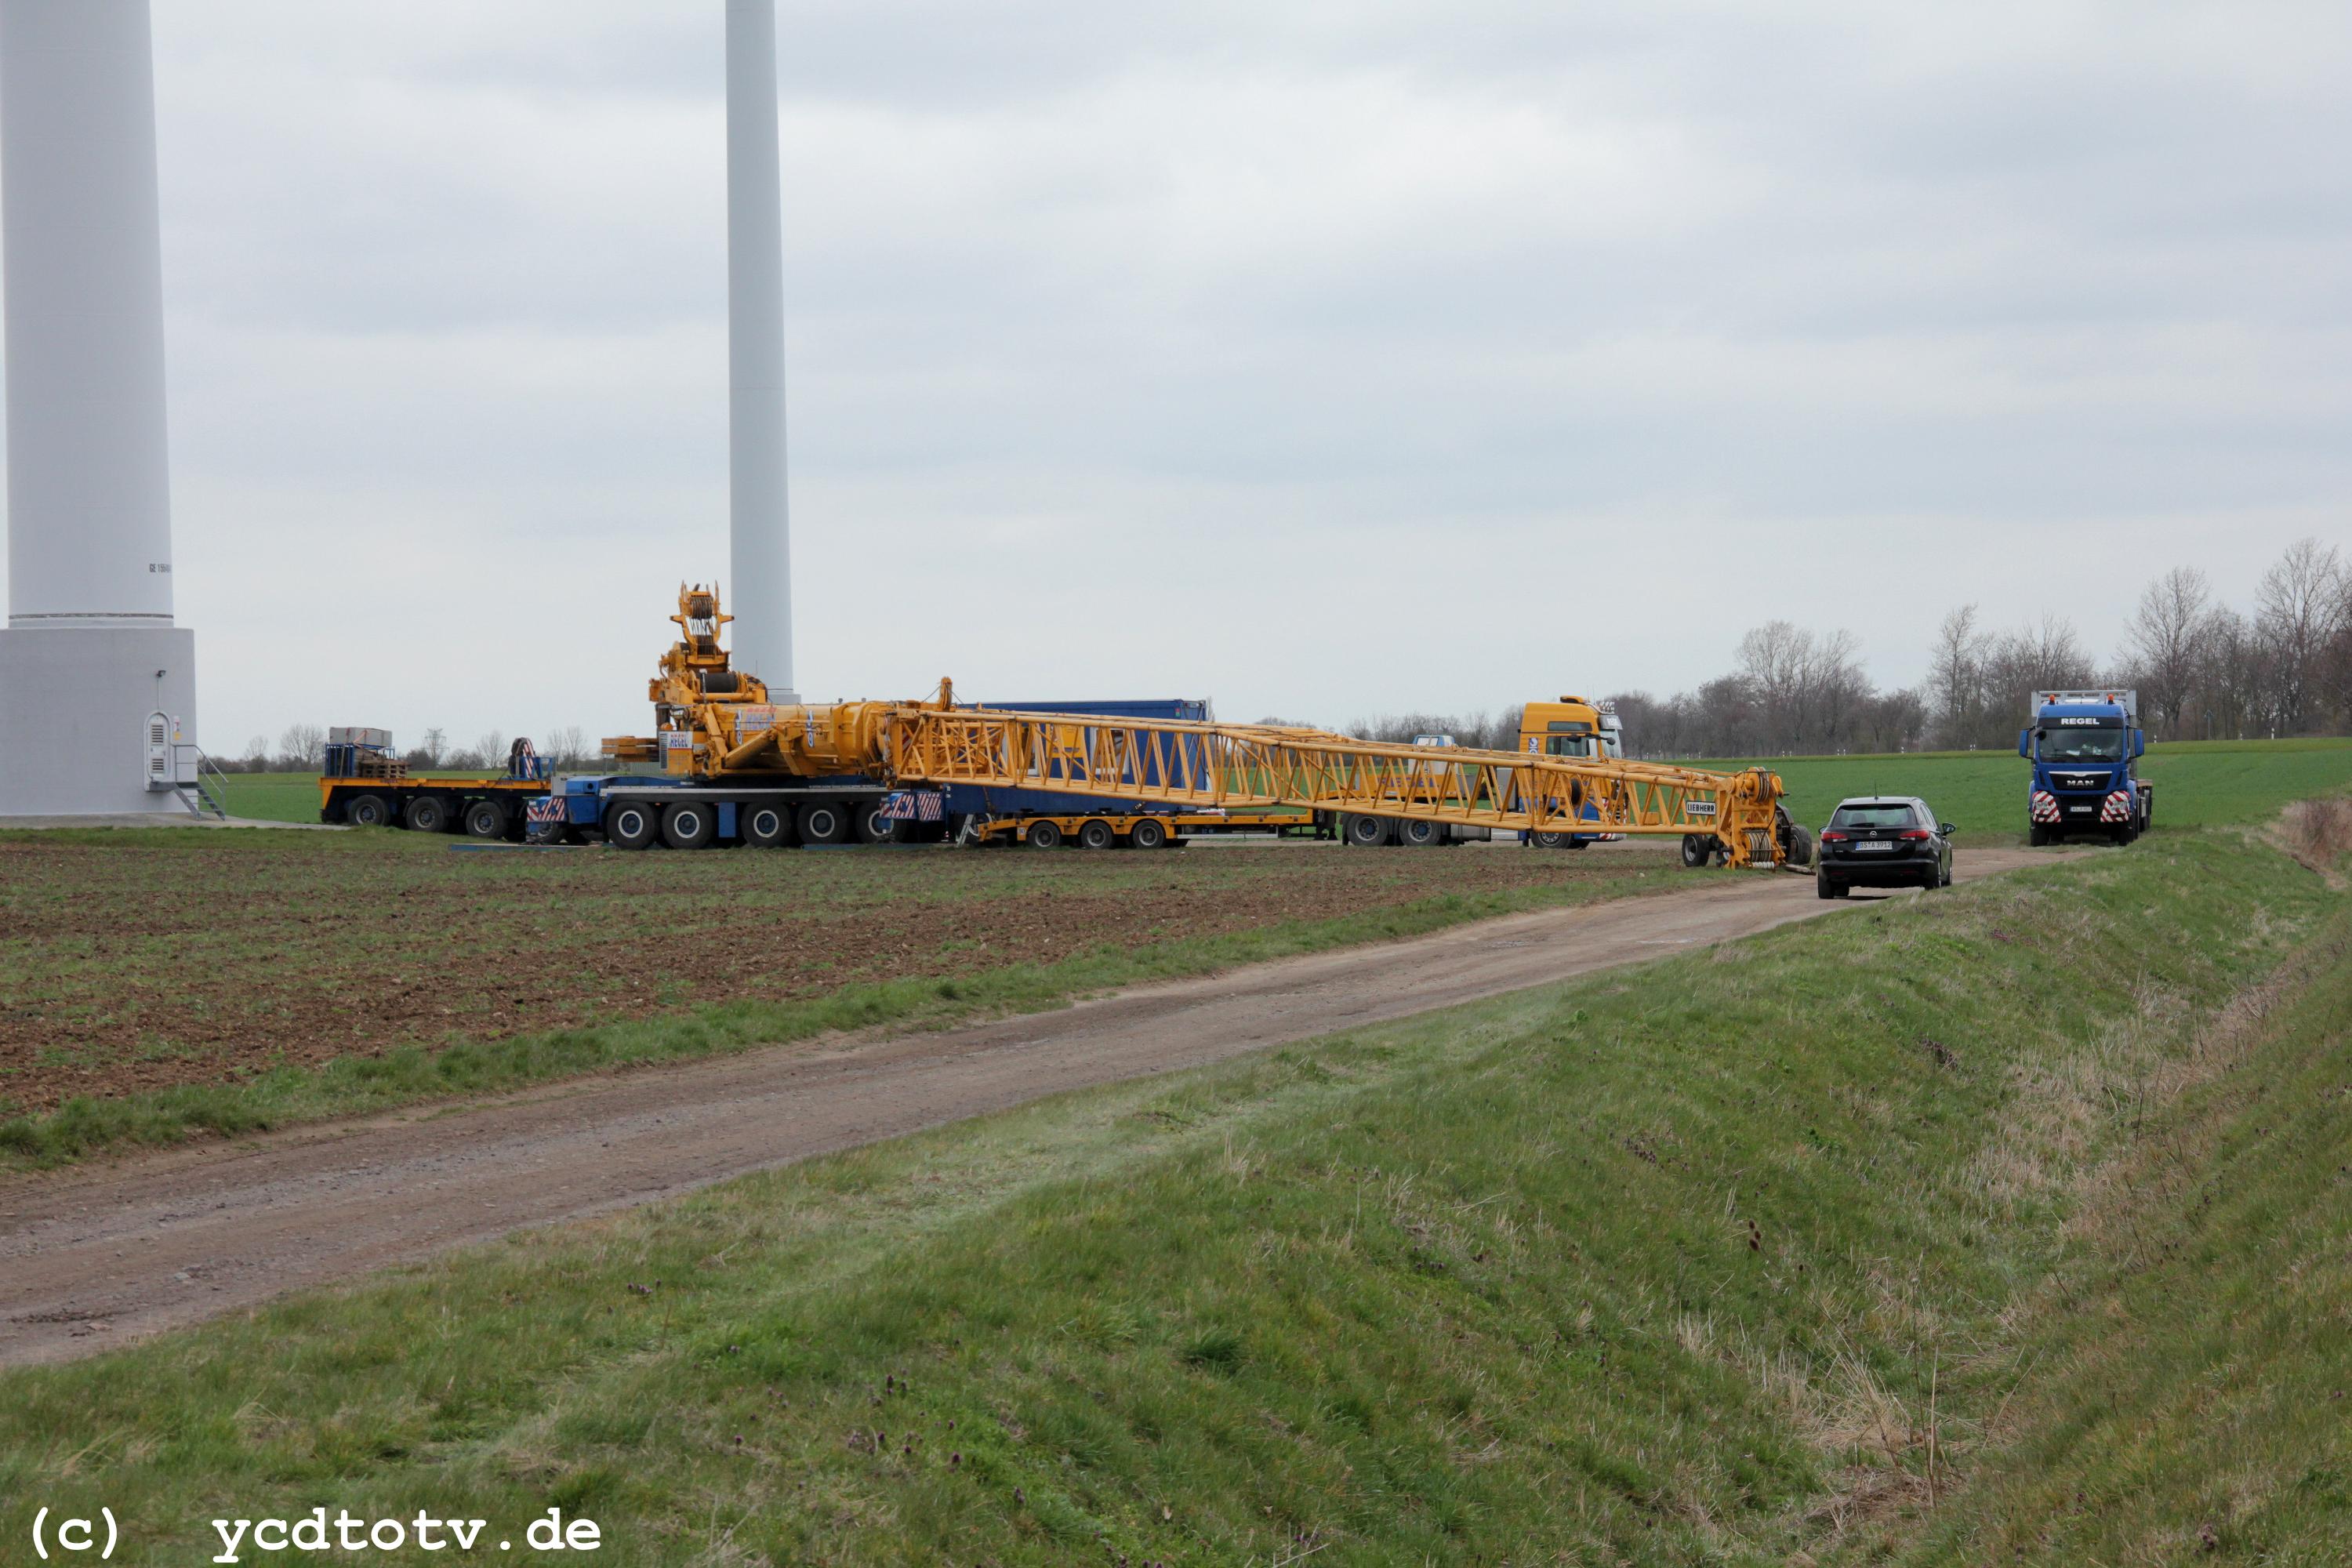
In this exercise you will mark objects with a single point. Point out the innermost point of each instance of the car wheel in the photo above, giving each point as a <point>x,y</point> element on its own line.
<point>823,822</point>
<point>631,825</point>
<point>1097,835</point>
<point>1823,888</point>
<point>1044,835</point>
<point>1146,834</point>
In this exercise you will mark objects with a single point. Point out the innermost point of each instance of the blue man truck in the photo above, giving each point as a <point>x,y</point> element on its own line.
<point>2082,745</point>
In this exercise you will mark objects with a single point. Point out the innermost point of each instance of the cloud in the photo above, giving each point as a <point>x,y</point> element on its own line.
<point>1324,359</point>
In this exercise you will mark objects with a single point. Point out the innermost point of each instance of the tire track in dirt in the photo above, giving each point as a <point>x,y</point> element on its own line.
<point>95,1257</point>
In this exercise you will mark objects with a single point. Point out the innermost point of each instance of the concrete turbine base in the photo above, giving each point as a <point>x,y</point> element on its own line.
<point>73,707</point>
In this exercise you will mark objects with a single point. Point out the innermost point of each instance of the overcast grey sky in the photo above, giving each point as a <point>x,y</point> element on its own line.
<point>1321,358</point>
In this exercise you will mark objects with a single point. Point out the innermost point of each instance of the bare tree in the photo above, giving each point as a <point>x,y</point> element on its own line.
<point>301,747</point>
<point>567,748</point>
<point>2295,615</point>
<point>2164,637</point>
<point>1956,682</point>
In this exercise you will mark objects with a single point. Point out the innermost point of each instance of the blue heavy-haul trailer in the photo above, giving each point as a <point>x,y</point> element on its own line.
<point>2082,746</point>
<point>636,811</point>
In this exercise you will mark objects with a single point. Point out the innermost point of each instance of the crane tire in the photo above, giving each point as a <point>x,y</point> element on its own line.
<point>1415,834</point>
<point>486,819</point>
<point>427,814</point>
<point>1148,833</point>
<point>632,825</point>
<point>690,824</point>
<point>368,811</point>
<point>872,827</point>
<point>1368,832</point>
<point>1044,835</point>
<point>1698,849</point>
<point>1097,834</point>
<point>823,822</point>
<point>765,826</point>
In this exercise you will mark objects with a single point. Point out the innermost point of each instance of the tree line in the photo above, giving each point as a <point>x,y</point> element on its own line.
<point>303,747</point>
<point>2204,670</point>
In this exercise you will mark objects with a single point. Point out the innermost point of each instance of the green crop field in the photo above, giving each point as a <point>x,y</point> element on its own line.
<point>2004,1226</point>
<point>2197,783</point>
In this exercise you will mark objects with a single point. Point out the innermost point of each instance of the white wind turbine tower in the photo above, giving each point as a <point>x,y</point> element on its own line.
<point>92,652</point>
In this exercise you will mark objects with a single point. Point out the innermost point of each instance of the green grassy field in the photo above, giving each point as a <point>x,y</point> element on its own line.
<point>2006,1225</point>
<point>2197,783</point>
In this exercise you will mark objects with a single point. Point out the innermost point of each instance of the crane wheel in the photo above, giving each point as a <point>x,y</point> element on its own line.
<point>1097,835</point>
<point>823,822</point>
<point>1368,832</point>
<point>690,824</point>
<point>872,827</point>
<point>369,810</point>
<point>1148,833</point>
<point>486,819</point>
<point>429,814</point>
<point>1698,849</point>
<point>766,826</point>
<point>1419,834</point>
<point>632,825</point>
<point>1550,840</point>
<point>1044,835</point>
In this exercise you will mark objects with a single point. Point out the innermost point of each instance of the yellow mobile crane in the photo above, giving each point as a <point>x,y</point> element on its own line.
<point>727,765</point>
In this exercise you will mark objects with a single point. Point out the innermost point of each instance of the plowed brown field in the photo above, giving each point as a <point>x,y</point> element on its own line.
<point>143,959</point>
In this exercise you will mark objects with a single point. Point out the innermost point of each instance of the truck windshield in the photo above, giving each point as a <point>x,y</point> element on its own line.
<point>2082,745</point>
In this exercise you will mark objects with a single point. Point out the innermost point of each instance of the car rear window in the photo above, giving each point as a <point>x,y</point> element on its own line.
<point>1872,816</point>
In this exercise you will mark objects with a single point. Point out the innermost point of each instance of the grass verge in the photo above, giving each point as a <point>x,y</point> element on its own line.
<point>356,1085</point>
<point>1736,1256</point>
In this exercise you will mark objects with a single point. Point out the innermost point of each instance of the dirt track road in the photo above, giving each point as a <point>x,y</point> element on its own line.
<point>95,1257</point>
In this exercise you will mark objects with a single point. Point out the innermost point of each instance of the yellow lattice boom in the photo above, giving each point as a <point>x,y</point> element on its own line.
<point>1208,765</point>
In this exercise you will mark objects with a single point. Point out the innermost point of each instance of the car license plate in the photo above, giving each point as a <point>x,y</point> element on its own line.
<point>1874,848</point>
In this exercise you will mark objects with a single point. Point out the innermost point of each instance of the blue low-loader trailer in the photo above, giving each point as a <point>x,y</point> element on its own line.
<point>2082,746</point>
<point>635,811</point>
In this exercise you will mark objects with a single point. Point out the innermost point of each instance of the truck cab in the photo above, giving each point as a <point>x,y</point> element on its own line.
<point>1579,730</point>
<point>2082,746</point>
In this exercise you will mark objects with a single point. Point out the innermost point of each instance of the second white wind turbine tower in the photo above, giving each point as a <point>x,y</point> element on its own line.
<point>759,523</point>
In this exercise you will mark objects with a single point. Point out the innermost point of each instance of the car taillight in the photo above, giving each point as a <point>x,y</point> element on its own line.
<point>1914,833</point>
<point>1833,837</point>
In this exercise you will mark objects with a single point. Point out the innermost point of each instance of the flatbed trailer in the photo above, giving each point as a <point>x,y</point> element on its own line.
<point>364,785</point>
